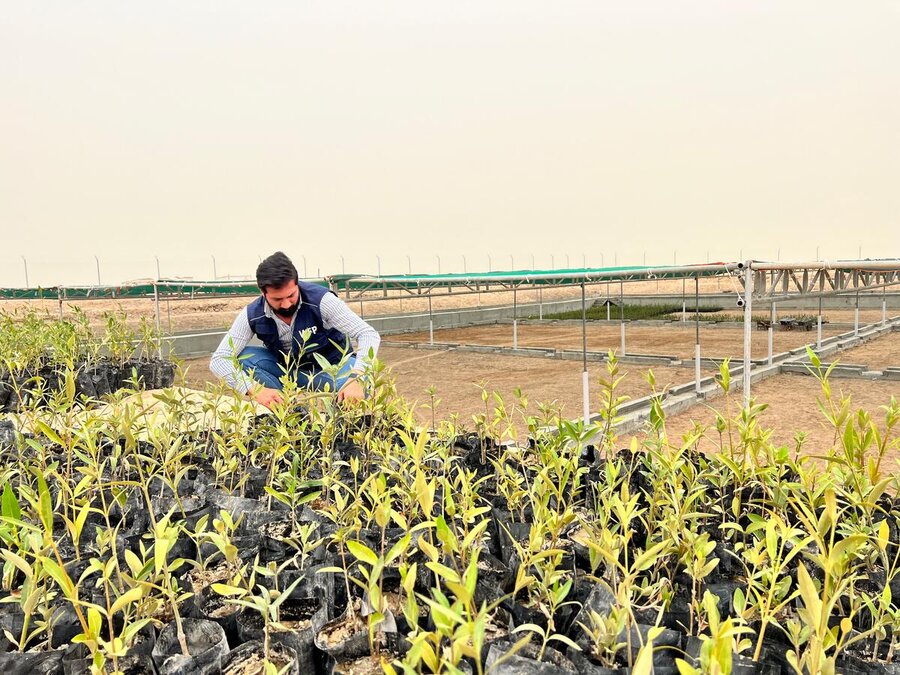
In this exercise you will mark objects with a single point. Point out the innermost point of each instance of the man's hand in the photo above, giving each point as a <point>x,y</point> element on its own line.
<point>266,396</point>
<point>351,391</point>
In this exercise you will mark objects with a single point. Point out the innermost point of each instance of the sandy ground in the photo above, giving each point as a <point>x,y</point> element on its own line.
<point>792,408</point>
<point>456,377</point>
<point>877,354</point>
<point>673,339</point>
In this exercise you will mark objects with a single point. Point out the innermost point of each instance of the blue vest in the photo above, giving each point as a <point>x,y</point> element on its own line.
<point>329,343</point>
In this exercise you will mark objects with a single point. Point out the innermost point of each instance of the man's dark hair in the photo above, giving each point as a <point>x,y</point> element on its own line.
<point>276,271</point>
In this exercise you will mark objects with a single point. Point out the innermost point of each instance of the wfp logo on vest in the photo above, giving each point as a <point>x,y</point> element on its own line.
<point>307,333</point>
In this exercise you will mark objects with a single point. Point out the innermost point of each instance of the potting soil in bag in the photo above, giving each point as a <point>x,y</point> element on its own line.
<point>36,663</point>
<point>246,657</point>
<point>207,646</point>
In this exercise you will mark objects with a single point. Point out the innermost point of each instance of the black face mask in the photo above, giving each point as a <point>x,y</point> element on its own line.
<point>286,312</point>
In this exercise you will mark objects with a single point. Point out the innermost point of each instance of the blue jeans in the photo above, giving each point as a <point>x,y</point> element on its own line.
<point>259,363</point>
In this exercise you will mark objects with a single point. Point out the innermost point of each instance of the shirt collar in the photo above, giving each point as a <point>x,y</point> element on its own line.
<point>267,309</point>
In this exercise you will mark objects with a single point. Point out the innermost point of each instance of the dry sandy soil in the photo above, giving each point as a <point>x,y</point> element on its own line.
<point>456,377</point>
<point>877,354</point>
<point>792,408</point>
<point>673,339</point>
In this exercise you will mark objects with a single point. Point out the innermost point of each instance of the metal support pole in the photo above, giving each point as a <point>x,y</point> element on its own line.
<point>608,305</point>
<point>215,272</point>
<point>683,304</point>
<point>819,326</point>
<point>59,300</point>
<point>697,335</point>
<point>430,323</point>
<point>515,320</point>
<point>748,331</point>
<point>540,303</point>
<point>883,307</point>
<point>622,337</point>
<point>856,316</point>
<point>97,260</point>
<point>622,315</point>
<point>585,384</point>
<point>158,327</point>
<point>25,263</point>
<point>771,332</point>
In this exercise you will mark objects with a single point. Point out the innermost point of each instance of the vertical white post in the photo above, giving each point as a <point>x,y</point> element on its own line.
<point>697,367</point>
<point>515,321</point>
<point>586,396</point>
<point>697,335</point>
<point>158,328</point>
<point>856,316</point>
<point>430,323</point>
<point>883,308</point>
<point>771,332</point>
<point>683,302</point>
<point>540,303</point>
<point>59,299</point>
<point>608,304</point>
<point>748,330</point>
<point>585,385</point>
<point>622,314</point>
<point>819,326</point>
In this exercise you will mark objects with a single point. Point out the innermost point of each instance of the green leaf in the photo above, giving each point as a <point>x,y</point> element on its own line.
<point>565,640</point>
<point>644,663</point>
<point>530,627</point>
<point>362,552</point>
<point>10,505</point>
<point>398,549</point>
<point>128,597</point>
<point>227,590</point>
<point>62,578</point>
<point>808,593</point>
<point>45,504</point>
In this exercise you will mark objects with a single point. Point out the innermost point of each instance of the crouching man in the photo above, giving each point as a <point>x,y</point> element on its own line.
<point>295,321</point>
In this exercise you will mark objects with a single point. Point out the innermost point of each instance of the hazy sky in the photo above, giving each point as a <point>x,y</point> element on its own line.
<point>190,129</point>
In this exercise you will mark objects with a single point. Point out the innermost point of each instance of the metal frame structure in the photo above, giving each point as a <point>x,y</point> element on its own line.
<point>777,281</point>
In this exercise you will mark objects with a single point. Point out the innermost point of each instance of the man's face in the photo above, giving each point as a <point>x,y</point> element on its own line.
<point>283,300</point>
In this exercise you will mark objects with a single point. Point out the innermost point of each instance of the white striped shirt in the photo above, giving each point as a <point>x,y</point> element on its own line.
<point>335,314</point>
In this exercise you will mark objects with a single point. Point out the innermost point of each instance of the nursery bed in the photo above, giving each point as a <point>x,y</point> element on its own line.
<point>672,339</point>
